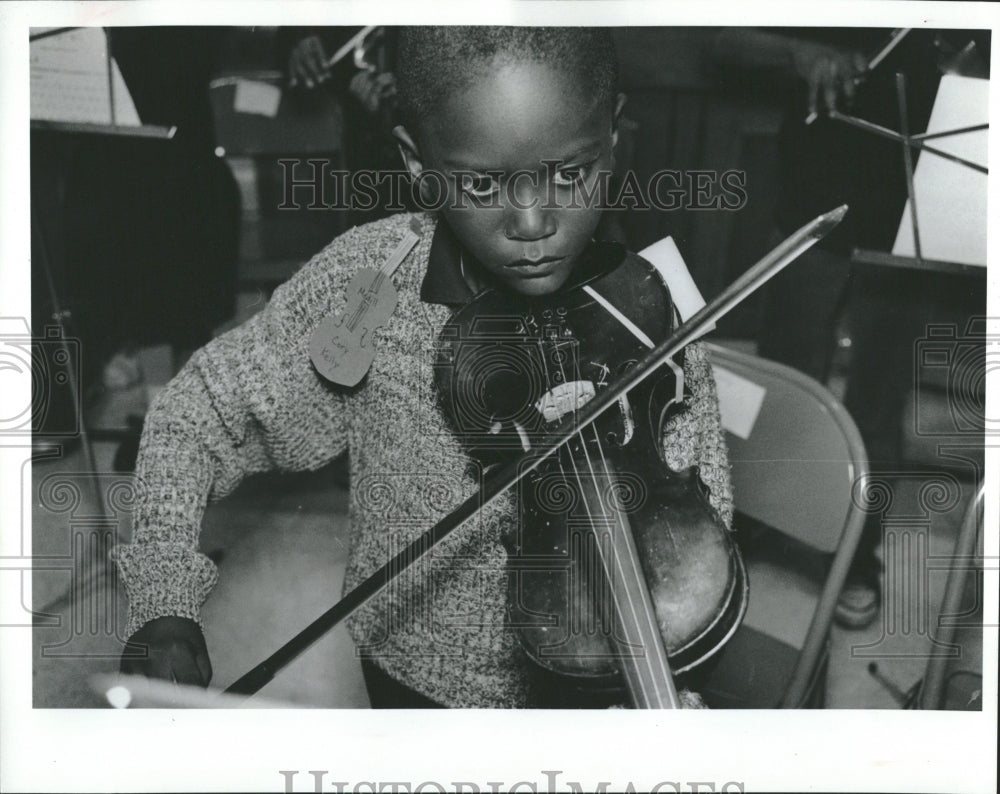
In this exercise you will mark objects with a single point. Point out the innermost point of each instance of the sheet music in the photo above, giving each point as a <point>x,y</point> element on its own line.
<point>951,198</point>
<point>69,80</point>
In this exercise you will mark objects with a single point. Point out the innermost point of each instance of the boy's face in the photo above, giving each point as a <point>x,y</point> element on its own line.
<point>528,119</point>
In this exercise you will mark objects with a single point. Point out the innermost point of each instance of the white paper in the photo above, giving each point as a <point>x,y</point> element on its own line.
<point>253,96</point>
<point>665,257</point>
<point>951,197</point>
<point>69,80</point>
<point>739,401</point>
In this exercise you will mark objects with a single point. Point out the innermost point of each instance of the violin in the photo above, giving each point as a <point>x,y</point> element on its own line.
<point>648,677</point>
<point>619,570</point>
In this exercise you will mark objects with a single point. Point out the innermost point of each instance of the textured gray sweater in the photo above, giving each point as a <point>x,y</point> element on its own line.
<point>250,401</point>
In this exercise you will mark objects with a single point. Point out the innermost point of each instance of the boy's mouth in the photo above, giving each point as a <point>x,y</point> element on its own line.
<point>535,268</point>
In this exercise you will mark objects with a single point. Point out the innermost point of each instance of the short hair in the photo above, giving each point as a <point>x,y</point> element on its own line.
<point>433,62</point>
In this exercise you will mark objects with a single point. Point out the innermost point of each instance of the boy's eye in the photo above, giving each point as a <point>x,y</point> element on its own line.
<point>573,174</point>
<point>479,184</point>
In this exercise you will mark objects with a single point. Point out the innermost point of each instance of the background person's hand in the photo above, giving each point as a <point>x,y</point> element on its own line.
<point>828,72</point>
<point>371,89</point>
<point>307,63</point>
<point>176,652</point>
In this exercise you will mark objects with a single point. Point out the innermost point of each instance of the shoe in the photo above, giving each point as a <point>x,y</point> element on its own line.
<point>860,599</point>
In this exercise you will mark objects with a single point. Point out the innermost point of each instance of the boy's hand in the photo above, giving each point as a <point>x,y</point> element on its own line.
<point>176,652</point>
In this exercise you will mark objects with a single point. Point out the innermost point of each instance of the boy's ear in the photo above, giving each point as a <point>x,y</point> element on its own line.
<point>616,117</point>
<point>408,149</point>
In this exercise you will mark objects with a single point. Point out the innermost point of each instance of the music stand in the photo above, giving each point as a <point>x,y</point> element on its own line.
<point>910,142</point>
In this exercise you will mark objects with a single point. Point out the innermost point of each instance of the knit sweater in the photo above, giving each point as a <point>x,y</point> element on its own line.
<point>251,401</point>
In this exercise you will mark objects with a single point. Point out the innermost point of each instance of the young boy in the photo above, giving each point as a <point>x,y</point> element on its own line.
<point>482,101</point>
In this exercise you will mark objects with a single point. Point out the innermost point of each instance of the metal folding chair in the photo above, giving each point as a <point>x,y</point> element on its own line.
<point>796,462</point>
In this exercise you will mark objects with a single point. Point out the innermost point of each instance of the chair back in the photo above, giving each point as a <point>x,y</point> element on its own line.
<point>796,454</point>
<point>797,459</point>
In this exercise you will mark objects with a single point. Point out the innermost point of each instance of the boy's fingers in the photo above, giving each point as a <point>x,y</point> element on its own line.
<point>133,666</point>
<point>204,666</point>
<point>156,665</point>
<point>184,669</point>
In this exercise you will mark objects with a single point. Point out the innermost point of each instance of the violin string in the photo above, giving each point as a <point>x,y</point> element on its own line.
<point>652,625</point>
<point>608,572</point>
<point>653,628</point>
<point>646,660</point>
<point>660,651</point>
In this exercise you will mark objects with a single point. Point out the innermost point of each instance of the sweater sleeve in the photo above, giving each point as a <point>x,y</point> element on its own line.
<point>694,436</point>
<point>248,402</point>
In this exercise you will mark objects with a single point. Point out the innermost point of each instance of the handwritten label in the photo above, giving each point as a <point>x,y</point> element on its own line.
<point>342,347</point>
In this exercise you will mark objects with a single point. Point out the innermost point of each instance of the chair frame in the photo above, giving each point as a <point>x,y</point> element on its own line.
<point>854,519</point>
<point>932,688</point>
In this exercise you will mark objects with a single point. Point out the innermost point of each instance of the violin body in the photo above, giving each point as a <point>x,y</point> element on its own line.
<point>512,369</point>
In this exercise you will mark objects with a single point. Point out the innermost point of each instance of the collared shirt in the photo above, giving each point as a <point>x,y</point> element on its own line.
<point>445,282</point>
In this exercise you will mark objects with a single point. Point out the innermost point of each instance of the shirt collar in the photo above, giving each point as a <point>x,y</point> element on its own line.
<point>444,282</point>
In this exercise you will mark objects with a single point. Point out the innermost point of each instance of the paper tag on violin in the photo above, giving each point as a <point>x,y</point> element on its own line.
<point>342,348</point>
<point>665,257</point>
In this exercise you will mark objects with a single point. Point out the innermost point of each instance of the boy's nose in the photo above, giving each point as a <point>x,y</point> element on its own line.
<point>527,220</point>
